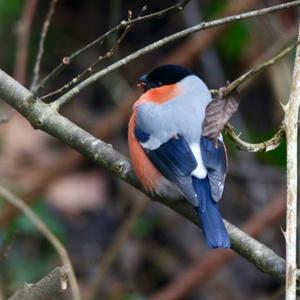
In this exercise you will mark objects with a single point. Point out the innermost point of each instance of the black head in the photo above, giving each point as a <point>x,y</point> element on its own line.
<point>163,75</point>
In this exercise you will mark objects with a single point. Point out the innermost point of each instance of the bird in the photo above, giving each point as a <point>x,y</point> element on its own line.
<point>170,155</point>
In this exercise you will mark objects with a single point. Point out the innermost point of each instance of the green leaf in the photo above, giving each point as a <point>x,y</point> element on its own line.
<point>233,42</point>
<point>144,226</point>
<point>25,226</point>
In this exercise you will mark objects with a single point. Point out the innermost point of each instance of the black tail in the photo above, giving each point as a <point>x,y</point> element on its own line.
<point>212,223</point>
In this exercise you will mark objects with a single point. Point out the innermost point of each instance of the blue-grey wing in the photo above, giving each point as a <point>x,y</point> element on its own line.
<point>215,160</point>
<point>174,159</point>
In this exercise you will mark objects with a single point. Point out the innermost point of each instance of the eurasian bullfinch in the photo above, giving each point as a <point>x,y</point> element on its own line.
<point>169,154</point>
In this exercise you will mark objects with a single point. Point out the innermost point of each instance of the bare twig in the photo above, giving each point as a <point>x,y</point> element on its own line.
<point>113,250</point>
<point>67,60</point>
<point>158,44</point>
<point>265,146</point>
<point>40,225</point>
<point>42,116</point>
<point>23,37</point>
<point>193,47</point>
<point>40,53</point>
<point>276,140</point>
<point>51,287</point>
<point>90,69</point>
<point>291,128</point>
<point>233,85</point>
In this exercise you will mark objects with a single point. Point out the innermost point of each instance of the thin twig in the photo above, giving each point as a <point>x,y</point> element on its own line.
<point>90,69</point>
<point>265,146</point>
<point>233,85</point>
<point>40,225</point>
<point>158,44</point>
<point>40,53</point>
<point>291,128</point>
<point>276,140</point>
<point>67,60</point>
<point>23,37</point>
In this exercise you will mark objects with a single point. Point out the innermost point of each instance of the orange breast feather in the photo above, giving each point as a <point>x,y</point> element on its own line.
<point>159,95</point>
<point>145,170</point>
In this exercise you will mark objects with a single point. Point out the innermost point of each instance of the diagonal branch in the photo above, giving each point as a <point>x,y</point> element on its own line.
<point>166,40</point>
<point>257,69</point>
<point>44,117</point>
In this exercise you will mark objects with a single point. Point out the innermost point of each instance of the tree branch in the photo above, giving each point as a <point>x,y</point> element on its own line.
<point>51,287</point>
<point>67,60</point>
<point>276,140</point>
<point>44,117</point>
<point>260,67</point>
<point>158,44</point>
<point>291,128</point>
<point>89,70</point>
<point>265,146</point>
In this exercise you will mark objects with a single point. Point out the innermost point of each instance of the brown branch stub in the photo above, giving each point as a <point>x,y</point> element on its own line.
<point>51,287</point>
<point>265,146</point>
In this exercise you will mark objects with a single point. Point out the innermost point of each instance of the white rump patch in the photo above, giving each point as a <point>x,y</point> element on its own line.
<point>200,171</point>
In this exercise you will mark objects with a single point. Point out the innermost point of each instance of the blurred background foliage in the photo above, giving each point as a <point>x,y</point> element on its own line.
<point>85,206</point>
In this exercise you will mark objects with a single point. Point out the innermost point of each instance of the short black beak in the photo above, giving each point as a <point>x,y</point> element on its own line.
<point>143,82</point>
<point>143,79</point>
